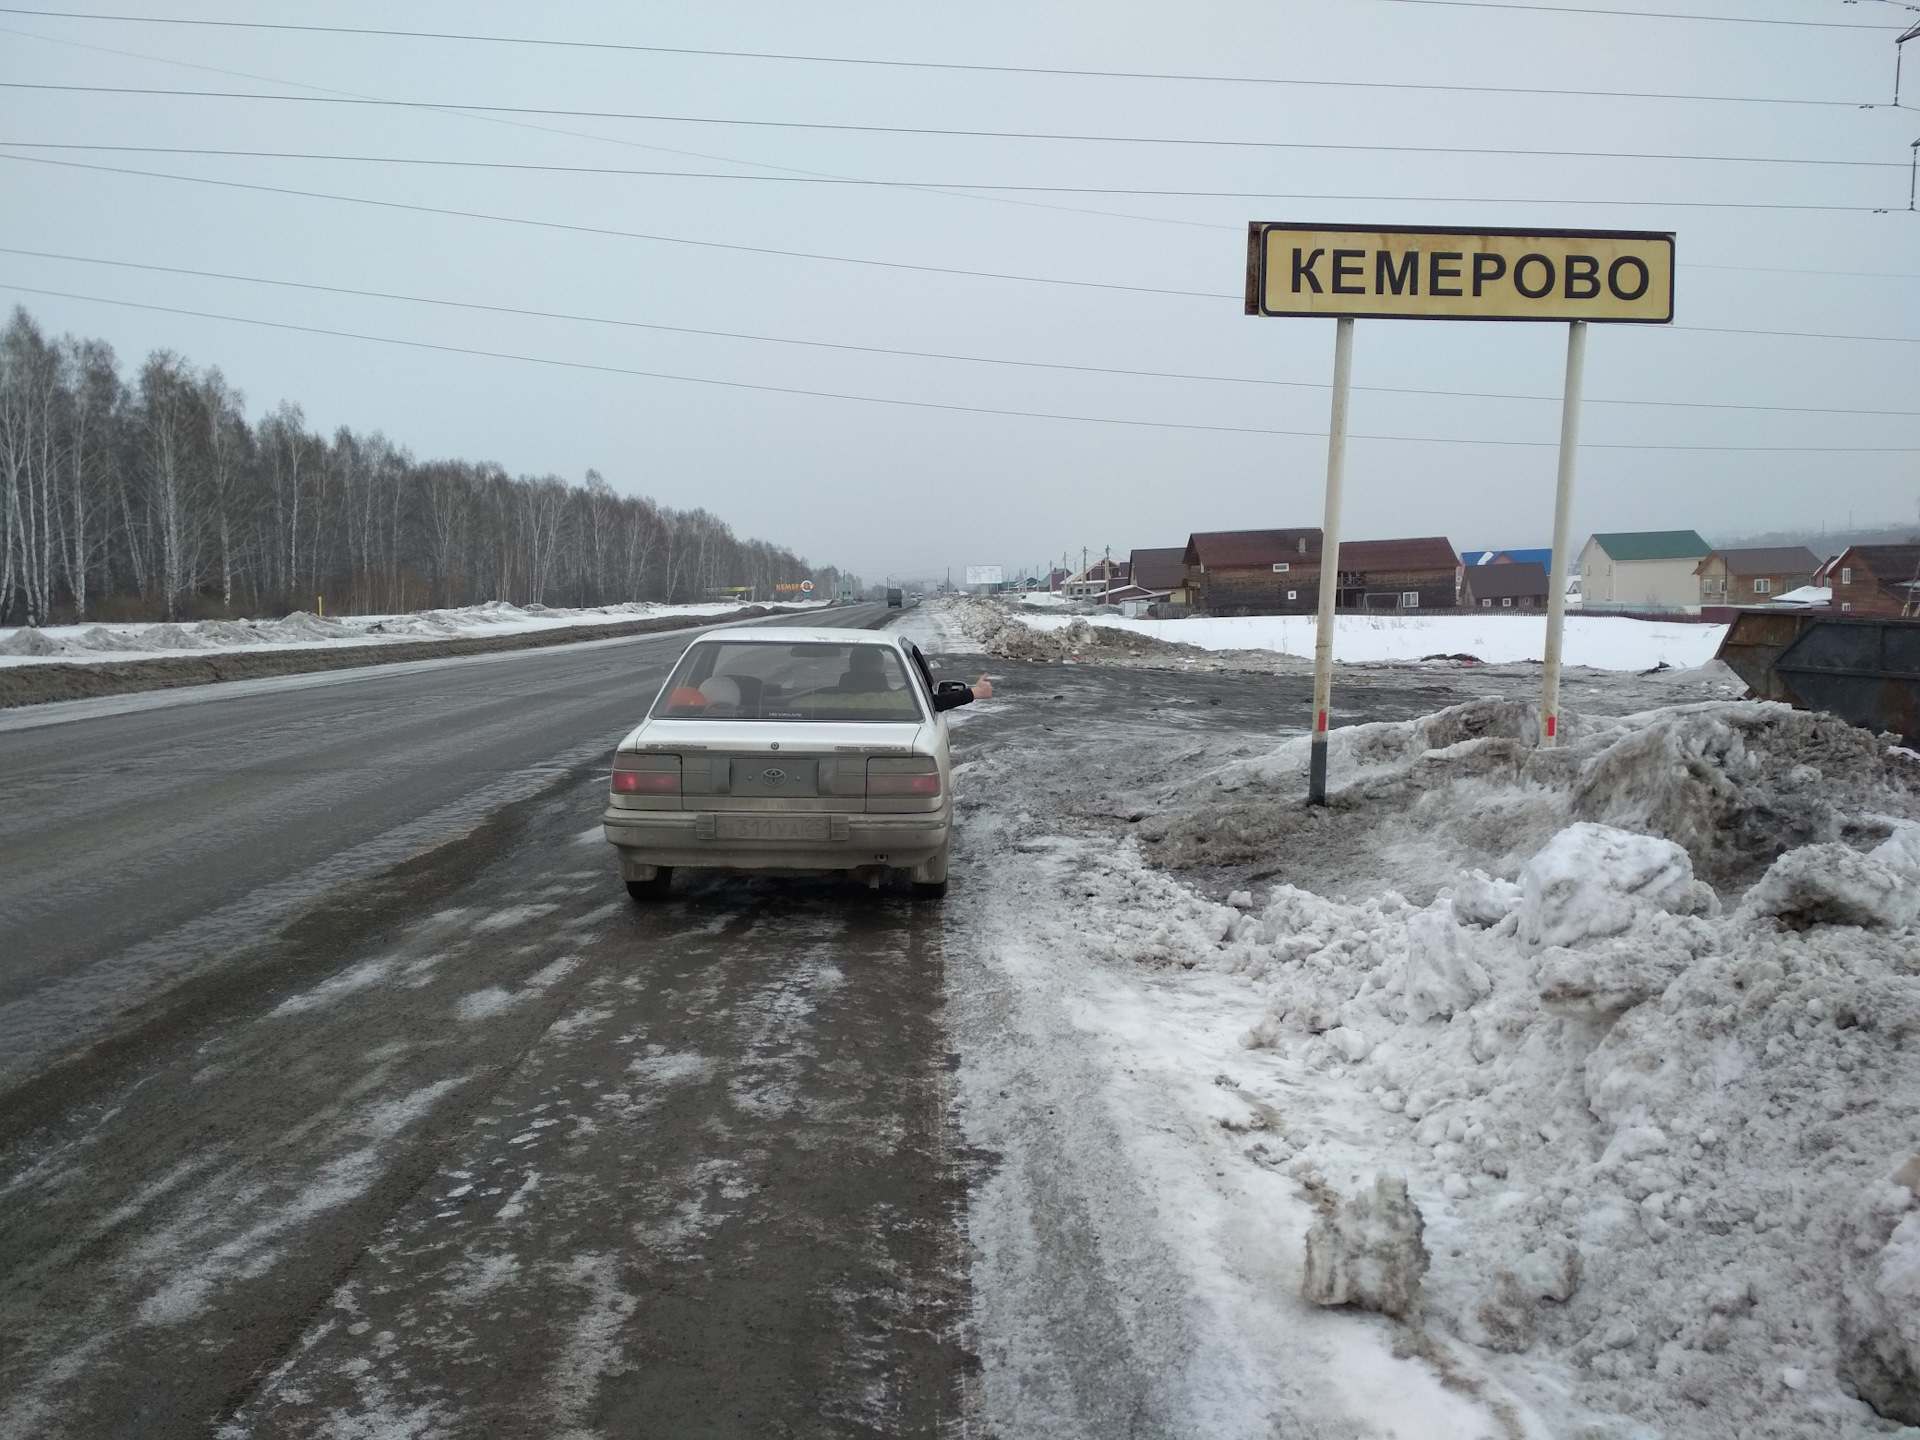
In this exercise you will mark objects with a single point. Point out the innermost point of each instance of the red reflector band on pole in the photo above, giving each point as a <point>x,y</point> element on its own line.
<point>1553,726</point>
<point>1320,724</point>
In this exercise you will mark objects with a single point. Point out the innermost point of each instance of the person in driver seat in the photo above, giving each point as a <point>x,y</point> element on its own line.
<point>865,674</point>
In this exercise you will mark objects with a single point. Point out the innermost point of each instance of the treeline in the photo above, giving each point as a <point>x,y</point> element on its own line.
<point>157,498</point>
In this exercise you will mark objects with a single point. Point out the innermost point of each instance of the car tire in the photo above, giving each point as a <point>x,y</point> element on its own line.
<point>646,892</point>
<point>929,889</point>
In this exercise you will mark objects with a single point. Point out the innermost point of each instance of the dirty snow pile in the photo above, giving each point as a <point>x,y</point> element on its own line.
<point>999,629</point>
<point>1630,1103</point>
<point>1599,642</point>
<point>301,628</point>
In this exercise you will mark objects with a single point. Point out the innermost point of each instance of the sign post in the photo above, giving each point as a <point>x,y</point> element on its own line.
<point>1403,272</point>
<point>1562,519</point>
<point>1330,567</point>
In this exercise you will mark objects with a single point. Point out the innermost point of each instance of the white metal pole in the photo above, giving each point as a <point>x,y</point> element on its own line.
<point>1329,562</point>
<point>1562,518</point>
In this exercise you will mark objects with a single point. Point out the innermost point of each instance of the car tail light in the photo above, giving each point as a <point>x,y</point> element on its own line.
<point>646,774</point>
<point>919,775</point>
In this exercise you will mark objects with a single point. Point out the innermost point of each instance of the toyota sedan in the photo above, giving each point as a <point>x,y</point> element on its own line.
<point>784,751</point>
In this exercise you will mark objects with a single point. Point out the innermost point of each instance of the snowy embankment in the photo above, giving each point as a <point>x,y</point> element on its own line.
<point>1599,642</point>
<point>1594,1071</point>
<point>94,644</point>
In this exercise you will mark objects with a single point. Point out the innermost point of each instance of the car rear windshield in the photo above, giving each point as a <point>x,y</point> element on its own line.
<point>770,680</point>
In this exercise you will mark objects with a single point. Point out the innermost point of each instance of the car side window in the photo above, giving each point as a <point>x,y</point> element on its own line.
<point>924,670</point>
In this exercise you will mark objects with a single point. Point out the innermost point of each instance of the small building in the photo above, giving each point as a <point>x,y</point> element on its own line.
<point>1518,586</point>
<point>1543,557</point>
<point>1755,577</point>
<point>1642,570</point>
<point>1253,572</point>
<point>1876,579</point>
<point>1419,574</point>
<point>1096,581</point>
<point>1161,573</point>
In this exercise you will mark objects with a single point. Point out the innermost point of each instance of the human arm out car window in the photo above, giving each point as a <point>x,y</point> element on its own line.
<point>949,694</point>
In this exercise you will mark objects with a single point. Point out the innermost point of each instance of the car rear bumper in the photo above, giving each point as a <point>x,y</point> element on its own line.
<point>836,842</point>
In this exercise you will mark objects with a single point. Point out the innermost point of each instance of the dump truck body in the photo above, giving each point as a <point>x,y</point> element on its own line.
<point>1863,668</point>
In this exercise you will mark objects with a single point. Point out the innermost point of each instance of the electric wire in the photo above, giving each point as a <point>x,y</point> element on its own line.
<point>623,142</point>
<point>898,353</point>
<point>966,184</point>
<point>801,254</point>
<point>960,66</point>
<point>934,131</point>
<point>609,232</point>
<point>924,404</point>
<point>1648,14</point>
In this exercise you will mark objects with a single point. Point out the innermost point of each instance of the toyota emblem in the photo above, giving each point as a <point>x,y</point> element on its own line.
<point>773,776</point>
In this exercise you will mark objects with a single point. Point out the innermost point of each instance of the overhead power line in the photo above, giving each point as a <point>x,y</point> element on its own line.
<point>623,142</point>
<point>934,131</point>
<point>584,365</point>
<point>520,312</point>
<point>609,232</point>
<point>958,66</point>
<point>814,179</point>
<point>1647,14</point>
<point>802,254</point>
<point>903,265</point>
<point>1427,87</point>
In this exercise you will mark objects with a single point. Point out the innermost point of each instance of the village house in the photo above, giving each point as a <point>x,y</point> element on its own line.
<point>1277,572</point>
<point>1097,581</point>
<point>1756,576</point>
<point>1254,572</point>
<point>1161,573</point>
<point>1876,579</point>
<point>1418,574</point>
<point>1519,586</point>
<point>1642,570</point>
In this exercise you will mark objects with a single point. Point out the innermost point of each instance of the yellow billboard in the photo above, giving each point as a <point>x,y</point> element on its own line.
<point>1396,272</point>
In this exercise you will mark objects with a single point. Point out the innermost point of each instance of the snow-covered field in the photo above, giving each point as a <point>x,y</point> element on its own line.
<point>1566,1093</point>
<point>1601,642</point>
<point>302,630</point>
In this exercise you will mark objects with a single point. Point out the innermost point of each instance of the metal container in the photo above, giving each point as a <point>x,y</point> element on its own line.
<point>1863,668</point>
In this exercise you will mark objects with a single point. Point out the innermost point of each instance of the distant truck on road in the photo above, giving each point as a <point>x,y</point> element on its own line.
<point>895,600</point>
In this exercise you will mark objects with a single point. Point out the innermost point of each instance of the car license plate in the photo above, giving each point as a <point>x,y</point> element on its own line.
<point>770,827</point>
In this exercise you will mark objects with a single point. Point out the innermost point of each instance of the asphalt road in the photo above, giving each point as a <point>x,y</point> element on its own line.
<point>343,1092</point>
<point>140,844</point>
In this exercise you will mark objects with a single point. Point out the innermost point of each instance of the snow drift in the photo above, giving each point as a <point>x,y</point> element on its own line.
<point>1639,1025</point>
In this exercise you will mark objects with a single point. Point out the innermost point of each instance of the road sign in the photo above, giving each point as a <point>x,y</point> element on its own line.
<point>1393,272</point>
<point>985,574</point>
<point>1408,272</point>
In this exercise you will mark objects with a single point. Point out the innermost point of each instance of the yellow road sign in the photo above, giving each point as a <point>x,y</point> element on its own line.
<point>1399,272</point>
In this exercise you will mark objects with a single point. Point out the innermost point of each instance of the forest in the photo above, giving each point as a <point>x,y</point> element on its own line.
<point>156,498</point>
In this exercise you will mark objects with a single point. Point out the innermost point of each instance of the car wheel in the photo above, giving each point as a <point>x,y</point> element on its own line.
<point>658,888</point>
<point>929,889</point>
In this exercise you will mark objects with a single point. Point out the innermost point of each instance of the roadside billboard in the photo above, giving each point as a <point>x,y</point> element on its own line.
<point>986,574</point>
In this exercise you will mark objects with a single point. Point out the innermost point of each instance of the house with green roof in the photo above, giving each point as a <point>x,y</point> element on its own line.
<point>1642,570</point>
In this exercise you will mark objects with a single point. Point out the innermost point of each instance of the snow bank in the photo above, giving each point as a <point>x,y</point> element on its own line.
<point>96,643</point>
<point>1417,804</point>
<point>1658,1141</point>
<point>1600,642</point>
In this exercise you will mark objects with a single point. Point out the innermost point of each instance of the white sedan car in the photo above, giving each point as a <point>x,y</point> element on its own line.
<point>788,751</point>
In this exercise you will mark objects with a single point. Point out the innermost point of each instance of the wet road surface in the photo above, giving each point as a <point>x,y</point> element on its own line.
<point>473,1145</point>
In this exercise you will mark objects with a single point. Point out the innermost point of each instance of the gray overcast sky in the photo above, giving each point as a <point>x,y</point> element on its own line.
<point>884,488</point>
